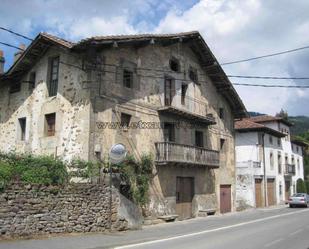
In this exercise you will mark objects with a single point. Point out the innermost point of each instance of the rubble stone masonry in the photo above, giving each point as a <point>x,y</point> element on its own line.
<point>37,210</point>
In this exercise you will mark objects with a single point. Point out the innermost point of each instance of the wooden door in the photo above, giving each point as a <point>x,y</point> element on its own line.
<point>225,198</point>
<point>271,192</point>
<point>258,193</point>
<point>184,196</point>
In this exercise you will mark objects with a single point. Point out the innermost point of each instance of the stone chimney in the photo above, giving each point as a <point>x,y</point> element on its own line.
<point>20,52</point>
<point>2,61</point>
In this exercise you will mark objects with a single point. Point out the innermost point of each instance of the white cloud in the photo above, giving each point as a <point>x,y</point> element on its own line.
<point>233,29</point>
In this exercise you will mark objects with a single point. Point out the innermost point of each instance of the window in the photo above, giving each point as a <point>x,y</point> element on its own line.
<point>22,128</point>
<point>184,88</point>
<point>271,159</point>
<point>127,78</point>
<point>279,164</point>
<point>32,80</point>
<point>193,74</point>
<point>297,148</point>
<point>221,113</point>
<point>199,140</point>
<point>15,87</point>
<point>222,144</point>
<point>279,142</point>
<point>280,189</point>
<point>270,139</point>
<point>125,120</point>
<point>54,74</point>
<point>169,132</point>
<point>174,65</point>
<point>50,123</point>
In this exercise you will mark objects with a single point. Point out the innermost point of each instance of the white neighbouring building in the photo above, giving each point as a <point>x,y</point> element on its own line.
<point>268,161</point>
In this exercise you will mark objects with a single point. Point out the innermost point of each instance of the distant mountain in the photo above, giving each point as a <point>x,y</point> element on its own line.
<point>254,114</point>
<point>301,124</point>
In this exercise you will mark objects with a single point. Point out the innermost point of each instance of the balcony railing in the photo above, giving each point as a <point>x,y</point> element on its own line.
<point>187,107</point>
<point>289,169</point>
<point>170,152</point>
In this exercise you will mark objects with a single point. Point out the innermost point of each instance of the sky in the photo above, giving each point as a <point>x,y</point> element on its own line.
<point>233,29</point>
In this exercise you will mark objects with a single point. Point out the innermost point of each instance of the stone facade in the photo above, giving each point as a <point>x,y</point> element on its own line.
<point>27,210</point>
<point>91,93</point>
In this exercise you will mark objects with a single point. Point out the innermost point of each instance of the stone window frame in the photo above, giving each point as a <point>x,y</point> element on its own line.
<point>50,120</point>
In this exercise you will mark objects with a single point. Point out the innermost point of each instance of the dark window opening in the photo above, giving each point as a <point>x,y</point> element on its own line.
<point>222,144</point>
<point>15,87</point>
<point>169,91</point>
<point>125,120</point>
<point>32,80</point>
<point>184,88</point>
<point>174,65</point>
<point>54,74</point>
<point>270,139</point>
<point>169,132</point>
<point>128,78</point>
<point>221,113</point>
<point>22,126</point>
<point>279,142</point>
<point>199,139</point>
<point>193,74</point>
<point>50,124</point>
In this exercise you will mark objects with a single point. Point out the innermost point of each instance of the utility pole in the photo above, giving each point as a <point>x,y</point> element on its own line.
<point>264,170</point>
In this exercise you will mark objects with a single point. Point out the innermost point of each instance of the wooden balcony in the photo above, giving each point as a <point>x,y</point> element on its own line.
<point>289,169</point>
<point>187,108</point>
<point>170,152</point>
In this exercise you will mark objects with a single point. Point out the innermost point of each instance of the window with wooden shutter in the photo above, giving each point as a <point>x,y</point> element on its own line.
<point>54,75</point>
<point>50,124</point>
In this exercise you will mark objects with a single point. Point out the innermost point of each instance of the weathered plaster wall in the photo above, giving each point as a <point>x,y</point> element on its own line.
<point>111,98</point>
<point>71,105</point>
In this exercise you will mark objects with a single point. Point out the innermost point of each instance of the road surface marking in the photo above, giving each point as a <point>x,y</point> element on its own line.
<point>296,232</point>
<point>208,231</point>
<point>273,242</point>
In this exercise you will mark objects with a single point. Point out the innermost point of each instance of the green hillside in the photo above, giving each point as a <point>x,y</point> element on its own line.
<point>301,125</point>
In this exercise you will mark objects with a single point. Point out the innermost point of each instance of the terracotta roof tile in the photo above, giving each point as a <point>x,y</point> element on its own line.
<point>58,40</point>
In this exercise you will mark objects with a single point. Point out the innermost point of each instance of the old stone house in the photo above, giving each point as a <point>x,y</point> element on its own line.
<point>268,161</point>
<point>161,94</point>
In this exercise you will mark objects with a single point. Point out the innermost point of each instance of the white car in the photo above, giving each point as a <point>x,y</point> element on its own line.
<point>299,199</point>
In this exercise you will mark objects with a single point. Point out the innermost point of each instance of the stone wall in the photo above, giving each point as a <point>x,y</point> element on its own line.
<point>27,210</point>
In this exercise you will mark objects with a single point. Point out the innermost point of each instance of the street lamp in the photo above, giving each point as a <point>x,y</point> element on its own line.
<point>117,154</point>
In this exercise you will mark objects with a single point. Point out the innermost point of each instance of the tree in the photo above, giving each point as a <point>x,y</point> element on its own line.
<point>300,186</point>
<point>307,186</point>
<point>283,114</point>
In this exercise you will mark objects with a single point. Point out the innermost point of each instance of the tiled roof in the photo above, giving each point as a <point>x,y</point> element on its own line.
<point>58,40</point>
<point>137,36</point>
<point>268,118</point>
<point>249,124</point>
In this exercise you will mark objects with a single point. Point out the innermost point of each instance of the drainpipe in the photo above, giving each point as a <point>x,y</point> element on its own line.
<point>264,169</point>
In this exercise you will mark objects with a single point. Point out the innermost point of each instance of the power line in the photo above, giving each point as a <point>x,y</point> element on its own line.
<point>268,77</point>
<point>270,86</point>
<point>264,56</point>
<point>15,33</point>
<point>163,77</point>
<point>12,46</point>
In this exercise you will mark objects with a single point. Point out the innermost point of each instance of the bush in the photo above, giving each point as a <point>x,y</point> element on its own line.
<point>137,174</point>
<point>84,169</point>
<point>32,169</point>
<point>300,186</point>
<point>307,186</point>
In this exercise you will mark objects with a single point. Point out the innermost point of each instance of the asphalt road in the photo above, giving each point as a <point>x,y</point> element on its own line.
<point>284,231</point>
<point>255,229</point>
